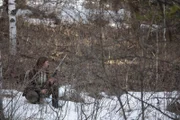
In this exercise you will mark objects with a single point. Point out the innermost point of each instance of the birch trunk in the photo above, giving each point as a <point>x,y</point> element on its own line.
<point>12,26</point>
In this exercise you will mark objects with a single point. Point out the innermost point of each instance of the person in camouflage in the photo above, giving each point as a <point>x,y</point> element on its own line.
<point>40,84</point>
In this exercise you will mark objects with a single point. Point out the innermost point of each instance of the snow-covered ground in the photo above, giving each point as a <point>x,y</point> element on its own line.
<point>106,108</point>
<point>73,11</point>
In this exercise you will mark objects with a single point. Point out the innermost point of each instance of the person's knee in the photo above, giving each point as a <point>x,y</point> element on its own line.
<point>32,97</point>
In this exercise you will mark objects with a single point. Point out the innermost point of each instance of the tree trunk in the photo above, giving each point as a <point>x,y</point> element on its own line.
<point>164,30</point>
<point>1,98</point>
<point>12,26</point>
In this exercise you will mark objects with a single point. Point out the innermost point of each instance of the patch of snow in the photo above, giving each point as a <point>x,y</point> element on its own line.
<point>1,3</point>
<point>23,13</point>
<point>36,21</point>
<point>107,108</point>
<point>153,27</point>
<point>35,3</point>
<point>74,11</point>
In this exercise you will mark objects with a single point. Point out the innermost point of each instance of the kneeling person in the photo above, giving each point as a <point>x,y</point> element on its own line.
<point>40,84</point>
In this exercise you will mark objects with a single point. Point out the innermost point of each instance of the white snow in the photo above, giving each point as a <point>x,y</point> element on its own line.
<point>107,108</point>
<point>23,13</point>
<point>1,3</point>
<point>74,11</point>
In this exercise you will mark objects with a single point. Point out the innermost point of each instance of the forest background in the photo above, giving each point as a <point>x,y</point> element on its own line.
<point>117,46</point>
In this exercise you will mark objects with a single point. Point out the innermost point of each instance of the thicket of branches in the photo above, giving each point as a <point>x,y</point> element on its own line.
<point>141,53</point>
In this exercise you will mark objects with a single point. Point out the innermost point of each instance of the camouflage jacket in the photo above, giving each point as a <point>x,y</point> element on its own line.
<point>36,80</point>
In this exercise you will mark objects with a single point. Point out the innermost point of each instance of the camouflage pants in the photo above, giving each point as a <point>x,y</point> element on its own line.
<point>34,95</point>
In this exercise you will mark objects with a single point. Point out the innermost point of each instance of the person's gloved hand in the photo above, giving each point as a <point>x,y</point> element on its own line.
<point>44,91</point>
<point>52,80</point>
